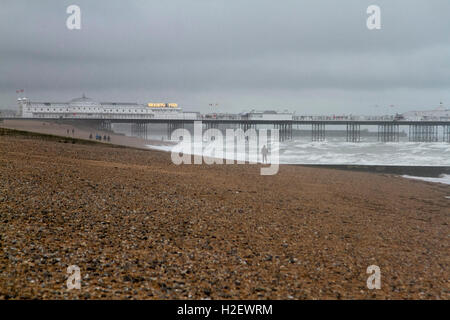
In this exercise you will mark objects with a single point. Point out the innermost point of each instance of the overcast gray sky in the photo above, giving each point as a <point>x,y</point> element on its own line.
<point>306,56</point>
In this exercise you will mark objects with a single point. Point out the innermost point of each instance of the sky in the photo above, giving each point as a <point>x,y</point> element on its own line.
<point>308,57</point>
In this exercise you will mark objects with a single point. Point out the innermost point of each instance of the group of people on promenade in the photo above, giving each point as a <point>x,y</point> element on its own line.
<point>99,137</point>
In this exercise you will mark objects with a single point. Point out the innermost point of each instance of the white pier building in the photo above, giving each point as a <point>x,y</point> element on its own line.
<point>86,108</point>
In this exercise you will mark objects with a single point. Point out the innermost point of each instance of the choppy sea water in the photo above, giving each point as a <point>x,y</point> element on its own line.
<point>369,152</point>
<point>365,153</point>
<point>335,151</point>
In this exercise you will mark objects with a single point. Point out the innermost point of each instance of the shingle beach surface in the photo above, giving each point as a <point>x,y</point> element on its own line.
<point>140,227</point>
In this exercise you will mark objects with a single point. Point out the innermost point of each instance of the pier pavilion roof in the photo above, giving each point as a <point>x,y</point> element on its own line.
<point>83,102</point>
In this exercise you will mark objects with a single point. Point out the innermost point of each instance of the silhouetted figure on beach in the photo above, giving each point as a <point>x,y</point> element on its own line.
<point>264,153</point>
<point>73,132</point>
<point>90,136</point>
<point>68,132</point>
<point>104,137</point>
<point>109,139</point>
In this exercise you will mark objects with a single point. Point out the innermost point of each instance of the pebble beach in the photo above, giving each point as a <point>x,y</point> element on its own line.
<point>140,227</point>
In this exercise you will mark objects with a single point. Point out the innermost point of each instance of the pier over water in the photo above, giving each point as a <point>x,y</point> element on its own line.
<point>387,130</point>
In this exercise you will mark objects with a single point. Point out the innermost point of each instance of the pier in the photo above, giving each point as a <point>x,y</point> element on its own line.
<point>424,133</point>
<point>446,137</point>
<point>387,130</point>
<point>353,132</point>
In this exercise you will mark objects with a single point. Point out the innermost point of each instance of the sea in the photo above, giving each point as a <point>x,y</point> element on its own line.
<point>369,152</point>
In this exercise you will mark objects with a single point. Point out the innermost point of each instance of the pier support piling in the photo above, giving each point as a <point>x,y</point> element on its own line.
<point>446,133</point>
<point>388,132</point>
<point>284,130</point>
<point>172,126</point>
<point>105,125</point>
<point>423,133</point>
<point>139,130</point>
<point>318,132</point>
<point>353,132</point>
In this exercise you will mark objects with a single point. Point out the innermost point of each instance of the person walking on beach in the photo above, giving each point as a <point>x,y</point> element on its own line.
<point>264,153</point>
<point>109,138</point>
<point>90,136</point>
<point>68,132</point>
<point>73,133</point>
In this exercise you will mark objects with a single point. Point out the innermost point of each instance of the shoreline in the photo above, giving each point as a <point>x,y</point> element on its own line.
<point>399,170</point>
<point>120,140</point>
<point>419,171</point>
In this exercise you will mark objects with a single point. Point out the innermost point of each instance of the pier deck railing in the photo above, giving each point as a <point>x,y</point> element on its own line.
<point>388,130</point>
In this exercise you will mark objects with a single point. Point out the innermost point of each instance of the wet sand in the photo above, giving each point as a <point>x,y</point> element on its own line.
<point>421,171</point>
<point>140,227</point>
<point>80,132</point>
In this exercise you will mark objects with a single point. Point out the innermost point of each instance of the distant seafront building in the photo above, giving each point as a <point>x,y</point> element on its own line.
<point>266,115</point>
<point>86,108</point>
<point>438,114</point>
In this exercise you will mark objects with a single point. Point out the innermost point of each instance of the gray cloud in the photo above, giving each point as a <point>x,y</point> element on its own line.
<point>307,56</point>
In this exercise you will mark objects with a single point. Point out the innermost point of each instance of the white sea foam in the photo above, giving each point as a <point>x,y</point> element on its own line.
<point>160,148</point>
<point>364,153</point>
<point>444,178</point>
<point>335,152</point>
<point>207,149</point>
